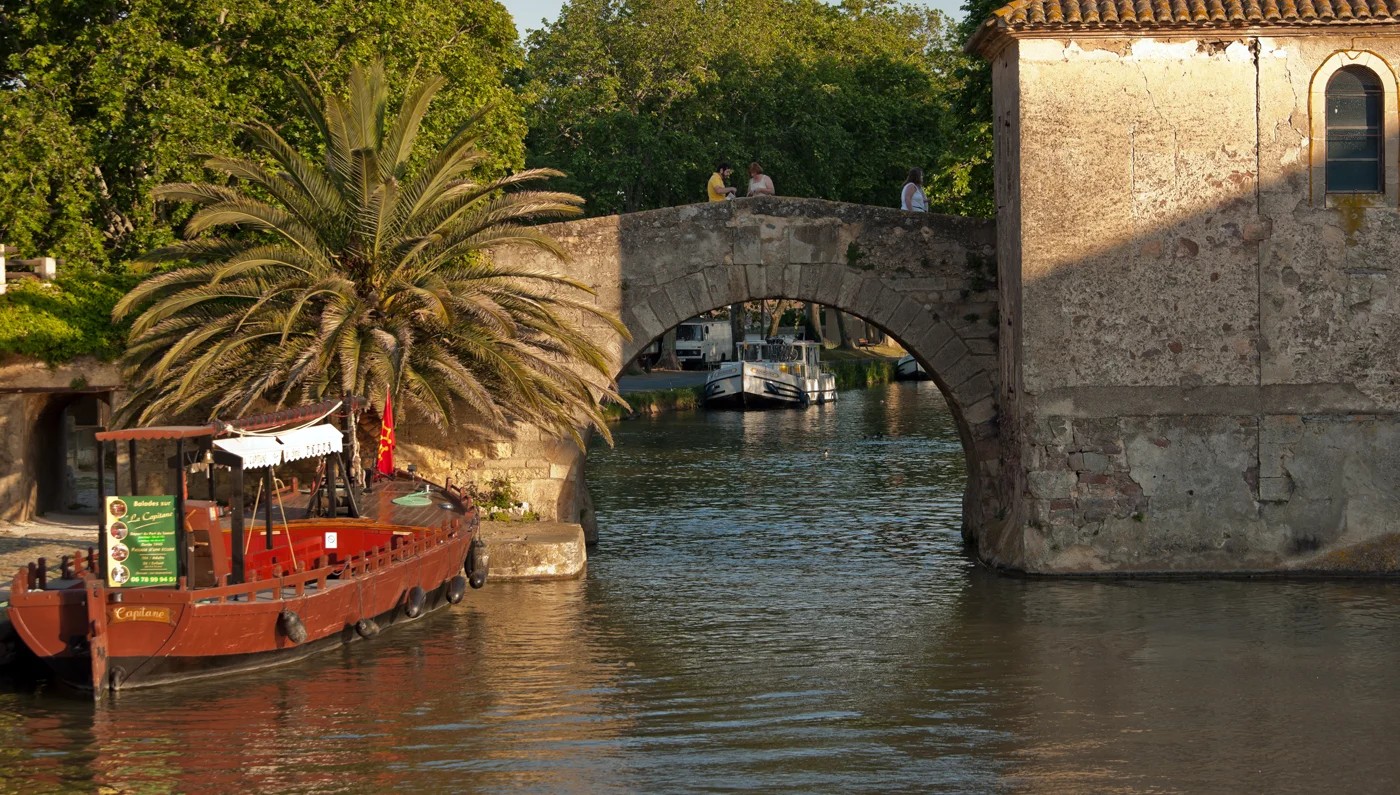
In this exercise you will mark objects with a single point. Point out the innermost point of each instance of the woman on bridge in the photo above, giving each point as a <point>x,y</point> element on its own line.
<point>759,183</point>
<point>912,197</point>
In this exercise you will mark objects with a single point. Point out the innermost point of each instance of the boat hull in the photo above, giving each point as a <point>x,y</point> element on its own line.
<point>741,390</point>
<point>745,385</point>
<point>909,369</point>
<point>154,636</point>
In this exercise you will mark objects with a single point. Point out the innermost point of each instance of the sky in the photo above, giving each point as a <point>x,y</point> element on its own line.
<point>528,13</point>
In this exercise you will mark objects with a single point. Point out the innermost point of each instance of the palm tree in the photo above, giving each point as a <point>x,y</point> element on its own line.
<point>360,273</point>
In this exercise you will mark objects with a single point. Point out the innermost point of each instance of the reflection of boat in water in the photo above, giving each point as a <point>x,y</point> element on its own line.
<point>909,369</point>
<point>194,594</point>
<point>772,374</point>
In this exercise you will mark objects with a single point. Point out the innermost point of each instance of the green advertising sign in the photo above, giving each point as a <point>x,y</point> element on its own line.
<point>141,541</point>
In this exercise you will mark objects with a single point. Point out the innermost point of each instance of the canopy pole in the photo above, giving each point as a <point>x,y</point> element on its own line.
<point>181,564</point>
<point>267,483</point>
<point>236,521</point>
<point>130,467</point>
<point>102,507</point>
<point>330,485</point>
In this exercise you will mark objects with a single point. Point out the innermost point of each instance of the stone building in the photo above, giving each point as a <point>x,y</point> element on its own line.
<point>1197,245</point>
<point>47,451</point>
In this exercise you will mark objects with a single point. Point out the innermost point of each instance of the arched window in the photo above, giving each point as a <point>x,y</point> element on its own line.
<point>1355,132</point>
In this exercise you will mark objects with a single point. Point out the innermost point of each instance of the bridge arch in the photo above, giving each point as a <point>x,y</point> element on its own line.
<point>928,280</point>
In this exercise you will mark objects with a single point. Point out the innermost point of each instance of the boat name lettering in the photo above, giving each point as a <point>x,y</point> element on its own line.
<point>152,516</point>
<point>121,614</point>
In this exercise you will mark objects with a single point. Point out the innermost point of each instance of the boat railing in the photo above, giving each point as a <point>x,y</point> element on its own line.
<point>406,543</point>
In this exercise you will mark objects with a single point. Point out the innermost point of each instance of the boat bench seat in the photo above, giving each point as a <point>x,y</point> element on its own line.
<point>263,564</point>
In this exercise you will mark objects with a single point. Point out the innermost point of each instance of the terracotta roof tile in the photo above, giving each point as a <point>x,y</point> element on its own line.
<point>1144,16</point>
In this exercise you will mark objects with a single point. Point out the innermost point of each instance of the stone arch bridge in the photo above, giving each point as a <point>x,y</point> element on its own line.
<point>928,280</point>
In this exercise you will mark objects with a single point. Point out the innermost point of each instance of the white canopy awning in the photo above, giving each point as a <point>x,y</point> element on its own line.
<point>266,451</point>
<point>313,441</point>
<point>256,451</point>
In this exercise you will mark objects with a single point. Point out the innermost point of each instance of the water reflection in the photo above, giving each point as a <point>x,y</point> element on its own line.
<point>780,603</point>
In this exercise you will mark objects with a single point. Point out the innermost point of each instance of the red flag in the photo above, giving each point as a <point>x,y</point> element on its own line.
<point>385,464</point>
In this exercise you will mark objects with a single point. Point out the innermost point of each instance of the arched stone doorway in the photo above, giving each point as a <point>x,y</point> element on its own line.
<point>65,453</point>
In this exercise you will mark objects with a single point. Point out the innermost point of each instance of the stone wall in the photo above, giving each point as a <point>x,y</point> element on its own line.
<point>929,280</point>
<point>1209,356</point>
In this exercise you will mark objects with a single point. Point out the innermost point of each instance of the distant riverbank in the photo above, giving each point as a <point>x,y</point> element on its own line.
<point>853,370</point>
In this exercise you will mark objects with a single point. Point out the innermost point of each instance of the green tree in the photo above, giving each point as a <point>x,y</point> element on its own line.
<point>962,182</point>
<point>638,99</point>
<point>101,100</point>
<point>363,273</point>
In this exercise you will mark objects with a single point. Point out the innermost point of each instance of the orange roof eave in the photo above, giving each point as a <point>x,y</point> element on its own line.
<point>1049,18</point>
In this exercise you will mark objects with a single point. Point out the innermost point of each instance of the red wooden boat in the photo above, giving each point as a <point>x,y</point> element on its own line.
<point>312,579</point>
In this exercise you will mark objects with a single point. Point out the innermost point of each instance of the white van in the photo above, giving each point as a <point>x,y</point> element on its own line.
<point>703,344</point>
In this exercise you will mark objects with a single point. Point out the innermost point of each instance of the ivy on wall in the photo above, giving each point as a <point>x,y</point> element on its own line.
<point>69,317</point>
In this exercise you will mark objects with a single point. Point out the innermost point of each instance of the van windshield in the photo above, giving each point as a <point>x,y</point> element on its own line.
<point>687,333</point>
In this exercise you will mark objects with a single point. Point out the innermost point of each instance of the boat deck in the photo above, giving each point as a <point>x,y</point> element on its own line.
<point>377,504</point>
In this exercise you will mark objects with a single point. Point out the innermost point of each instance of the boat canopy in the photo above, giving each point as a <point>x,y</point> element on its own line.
<point>256,451</point>
<point>264,451</point>
<point>313,441</point>
<point>254,422</point>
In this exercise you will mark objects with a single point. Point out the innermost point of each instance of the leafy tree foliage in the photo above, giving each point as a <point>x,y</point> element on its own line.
<point>100,100</point>
<point>638,99</point>
<point>963,182</point>
<point>359,272</point>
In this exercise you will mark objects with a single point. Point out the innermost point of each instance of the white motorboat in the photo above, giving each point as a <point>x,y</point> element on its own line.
<point>909,369</point>
<point>772,374</point>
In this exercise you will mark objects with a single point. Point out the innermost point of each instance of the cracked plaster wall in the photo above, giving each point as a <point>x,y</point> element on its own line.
<point>1208,361</point>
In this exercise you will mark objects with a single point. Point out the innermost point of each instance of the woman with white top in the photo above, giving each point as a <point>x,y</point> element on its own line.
<point>759,183</point>
<point>912,197</point>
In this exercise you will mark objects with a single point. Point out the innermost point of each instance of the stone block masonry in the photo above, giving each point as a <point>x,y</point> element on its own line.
<point>1203,372</point>
<point>929,280</point>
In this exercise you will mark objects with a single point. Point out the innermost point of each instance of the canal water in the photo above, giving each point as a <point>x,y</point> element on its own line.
<point>781,603</point>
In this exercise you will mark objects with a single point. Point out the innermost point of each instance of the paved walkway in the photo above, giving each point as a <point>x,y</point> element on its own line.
<point>50,537</point>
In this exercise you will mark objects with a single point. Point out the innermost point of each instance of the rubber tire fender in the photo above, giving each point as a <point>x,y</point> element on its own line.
<point>478,563</point>
<point>290,625</point>
<point>366,628</point>
<point>417,597</point>
<point>456,589</point>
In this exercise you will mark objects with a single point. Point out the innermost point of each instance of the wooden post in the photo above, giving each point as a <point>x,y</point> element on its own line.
<point>181,563</point>
<point>330,485</point>
<point>102,505</point>
<point>97,634</point>
<point>267,486</point>
<point>131,465</point>
<point>236,522</point>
